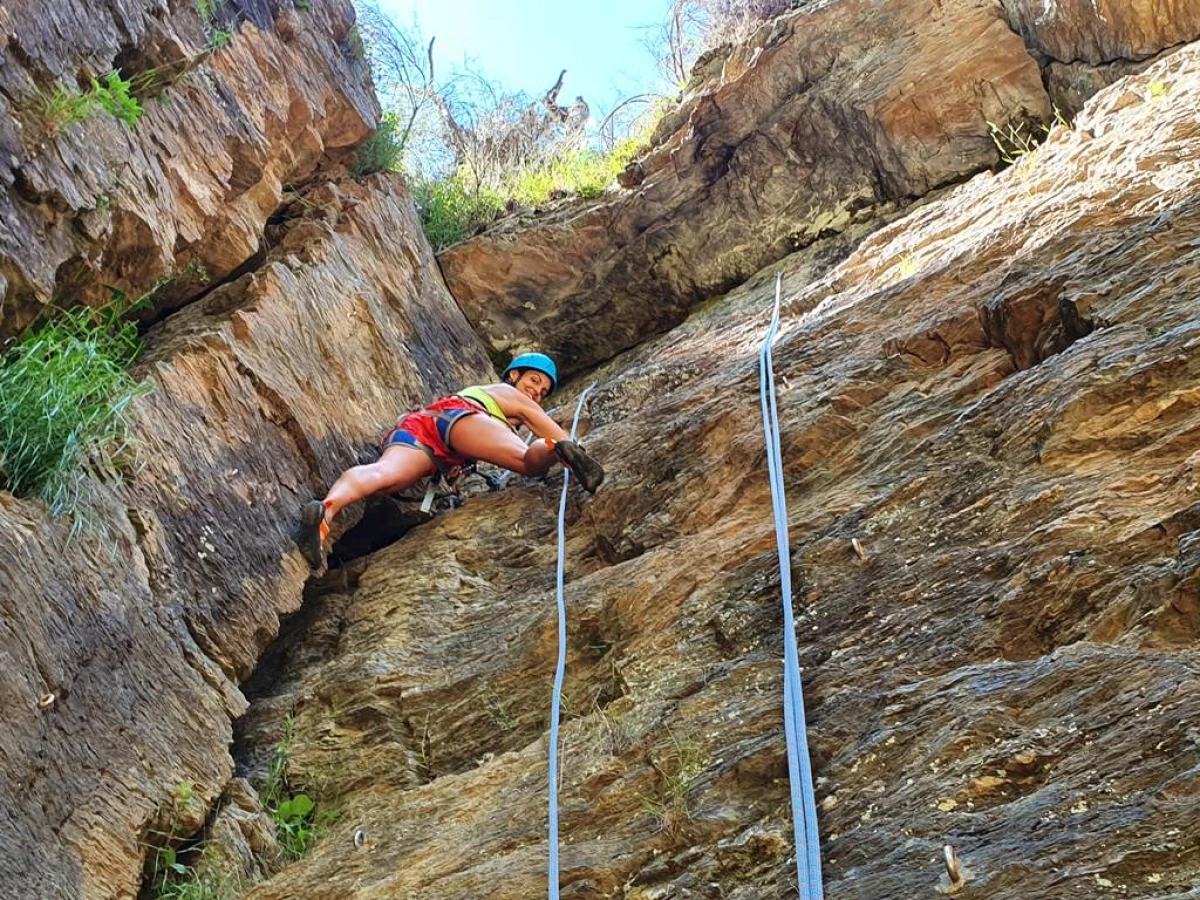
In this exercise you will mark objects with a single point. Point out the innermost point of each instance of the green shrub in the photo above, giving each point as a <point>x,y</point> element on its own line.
<point>452,210</point>
<point>354,46</point>
<point>220,39</point>
<point>381,152</point>
<point>587,173</point>
<point>65,396</point>
<point>114,97</point>
<point>209,879</point>
<point>64,108</point>
<point>296,827</point>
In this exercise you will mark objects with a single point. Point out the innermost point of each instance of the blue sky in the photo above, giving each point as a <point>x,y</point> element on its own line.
<point>524,44</point>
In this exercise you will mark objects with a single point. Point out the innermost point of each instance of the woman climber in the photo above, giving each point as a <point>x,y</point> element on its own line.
<point>477,423</point>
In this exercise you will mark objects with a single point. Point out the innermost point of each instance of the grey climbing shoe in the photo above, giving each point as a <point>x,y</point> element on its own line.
<point>312,532</point>
<point>586,469</point>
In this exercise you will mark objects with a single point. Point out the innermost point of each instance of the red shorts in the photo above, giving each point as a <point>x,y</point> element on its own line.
<point>430,427</point>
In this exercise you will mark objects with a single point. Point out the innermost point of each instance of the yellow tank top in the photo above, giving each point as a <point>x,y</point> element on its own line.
<point>479,394</point>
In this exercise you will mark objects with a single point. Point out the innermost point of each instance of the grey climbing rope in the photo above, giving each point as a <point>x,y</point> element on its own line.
<point>561,668</point>
<point>804,807</point>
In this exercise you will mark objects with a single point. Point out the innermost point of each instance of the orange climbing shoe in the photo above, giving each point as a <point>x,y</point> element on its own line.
<point>313,531</point>
<point>586,469</point>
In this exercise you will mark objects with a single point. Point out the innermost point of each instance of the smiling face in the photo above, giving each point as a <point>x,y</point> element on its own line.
<point>533,384</point>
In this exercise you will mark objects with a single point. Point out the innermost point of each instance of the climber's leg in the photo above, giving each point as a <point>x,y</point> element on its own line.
<point>400,466</point>
<point>482,437</point>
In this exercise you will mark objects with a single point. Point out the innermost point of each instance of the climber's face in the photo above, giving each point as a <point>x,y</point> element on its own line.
<point>534,385</point>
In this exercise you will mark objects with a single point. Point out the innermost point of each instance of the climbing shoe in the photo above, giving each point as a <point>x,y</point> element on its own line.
<point>586,469</point>
<point>312,532</point>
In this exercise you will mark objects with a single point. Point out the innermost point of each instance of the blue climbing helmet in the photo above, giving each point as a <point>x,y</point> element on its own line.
<point>539,362</point>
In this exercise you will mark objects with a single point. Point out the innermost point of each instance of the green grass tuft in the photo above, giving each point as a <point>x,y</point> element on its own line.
<point>454,208</point>
<point>296,826</point>
<point>65,398</point>
<point>64,108</point>
<point>451,211</point>
<point>220,39</point>
<point>586,173</point>
<point>381,152</point>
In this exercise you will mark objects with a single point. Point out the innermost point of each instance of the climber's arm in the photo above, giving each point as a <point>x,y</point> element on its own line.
<point>520,407</point>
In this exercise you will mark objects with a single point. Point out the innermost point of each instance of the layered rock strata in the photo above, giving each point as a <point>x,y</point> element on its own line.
<point>828,116</point>
<point>143,627</point>
<point>183,196</point>
<point>997,400</point>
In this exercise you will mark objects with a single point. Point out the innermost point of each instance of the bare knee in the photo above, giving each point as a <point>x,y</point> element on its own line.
<point>538,459</point>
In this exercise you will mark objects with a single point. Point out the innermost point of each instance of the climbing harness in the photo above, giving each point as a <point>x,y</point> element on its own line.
<point>560,669</point>
<point>804,807</point>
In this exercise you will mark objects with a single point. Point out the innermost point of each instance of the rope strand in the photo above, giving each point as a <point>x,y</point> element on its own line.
<point>804,807</point>
<point>561,667</point>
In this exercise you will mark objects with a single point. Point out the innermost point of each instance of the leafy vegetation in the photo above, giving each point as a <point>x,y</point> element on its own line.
<point>65,398</point>
<point>354,44</point>
<point>292,810</point>
<point>451,211</point>
<point>585,172</point>
<point>65,108</point>
<point>209,10</point>
<point>220,39</point>
<point>679,768</point>
<point>456,207</point>
<point>472,152</point>
<point>208,877</point>
<point>382,151</point>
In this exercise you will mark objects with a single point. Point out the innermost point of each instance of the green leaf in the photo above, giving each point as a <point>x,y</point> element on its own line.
<point>296,809</point>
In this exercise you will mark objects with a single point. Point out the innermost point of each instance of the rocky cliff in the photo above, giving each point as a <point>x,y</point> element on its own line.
<point>832,116</point>
<point>995,396</point>
<point>143,627</point>
<point>184,195</point>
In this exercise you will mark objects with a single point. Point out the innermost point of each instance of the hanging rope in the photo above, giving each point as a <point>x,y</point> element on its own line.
<point>804,807</point>
<point>561,668</point>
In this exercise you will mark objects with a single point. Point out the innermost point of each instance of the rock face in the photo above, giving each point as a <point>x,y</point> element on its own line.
<point>183,196</point>
<point>829,116</point>
<point>1099,34</point>
<point>263,392</point>
<point>998,398</point>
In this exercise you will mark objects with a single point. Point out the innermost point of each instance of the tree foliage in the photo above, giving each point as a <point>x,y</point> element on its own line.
<point>462,125</point>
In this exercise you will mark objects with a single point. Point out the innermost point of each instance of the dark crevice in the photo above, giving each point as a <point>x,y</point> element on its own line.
<point>306,639</point>
<point>384,521</point>
<point>51,201</point>
<point>178,293</point>
<point>1027,329</point>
